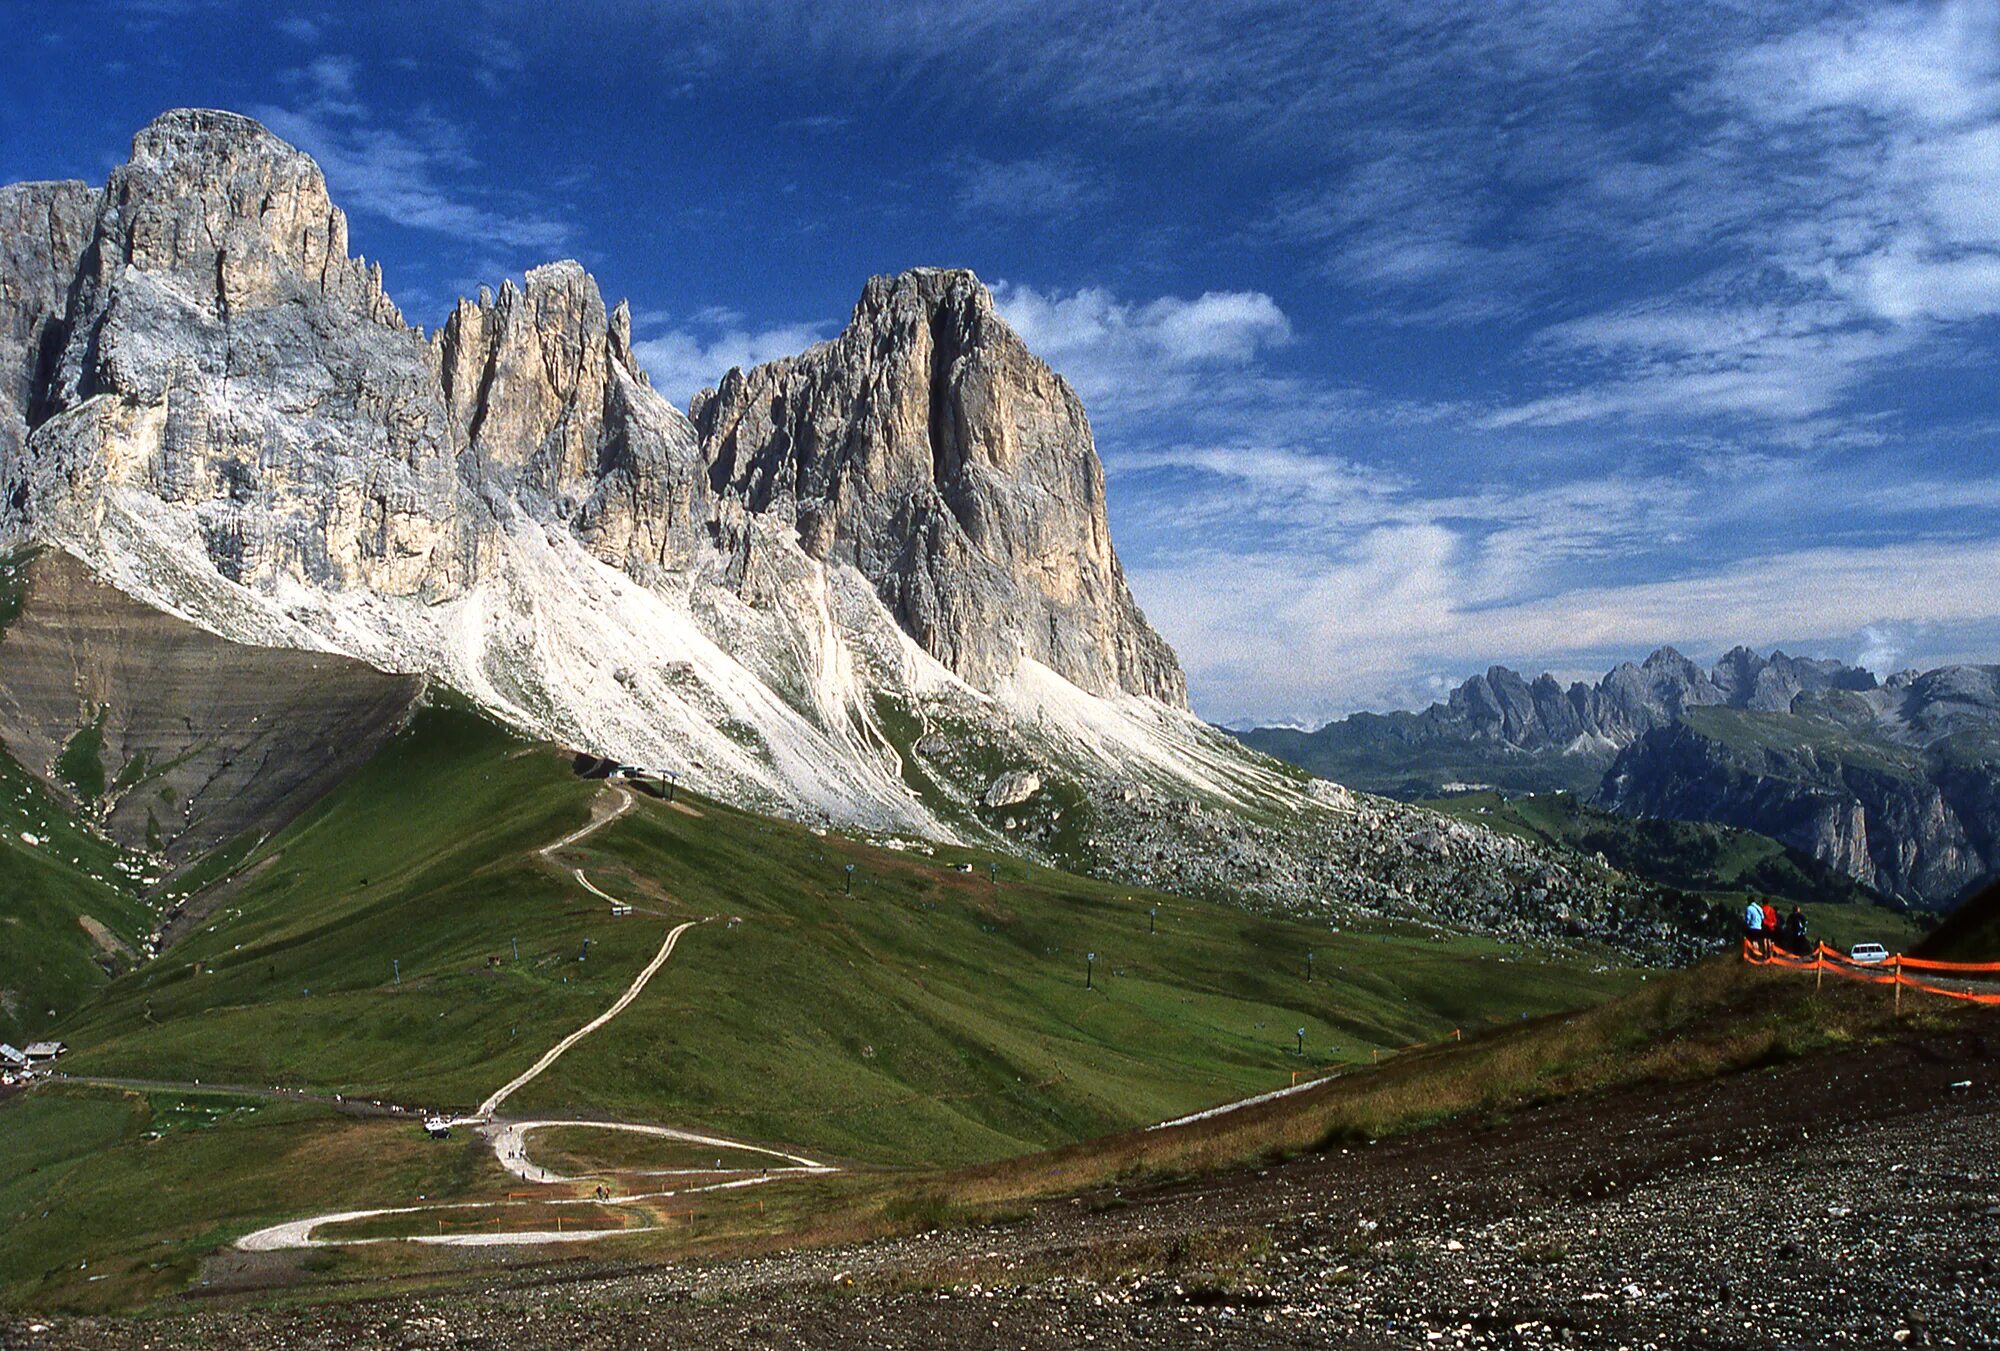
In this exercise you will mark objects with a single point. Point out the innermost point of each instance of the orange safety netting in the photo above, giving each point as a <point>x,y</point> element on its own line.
<point>1891,971</point>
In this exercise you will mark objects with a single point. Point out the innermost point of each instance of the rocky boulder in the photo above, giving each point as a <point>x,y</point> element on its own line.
<point>1014,787</point>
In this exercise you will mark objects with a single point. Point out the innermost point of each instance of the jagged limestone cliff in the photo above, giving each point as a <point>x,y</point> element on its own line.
<point>861,585</point>
<point>1896,786</point>
<point>927,447</point>
<point>219,407</point>
<point>223,353</point>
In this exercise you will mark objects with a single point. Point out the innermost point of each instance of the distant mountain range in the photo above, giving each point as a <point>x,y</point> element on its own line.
<point>1893,783</point>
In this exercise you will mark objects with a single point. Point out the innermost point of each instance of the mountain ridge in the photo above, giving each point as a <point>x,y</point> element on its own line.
<point>1890,782</point>
<point>374,465</point>
<point>1588,723</point>
<point>860,587</point>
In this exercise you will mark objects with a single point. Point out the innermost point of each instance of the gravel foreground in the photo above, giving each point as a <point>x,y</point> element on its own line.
<point>1845,1200</point>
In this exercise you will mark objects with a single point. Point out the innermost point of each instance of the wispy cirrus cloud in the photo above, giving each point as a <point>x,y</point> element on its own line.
<point>1843,210</point>
<point>1044,185</point>
<point>412,171</point>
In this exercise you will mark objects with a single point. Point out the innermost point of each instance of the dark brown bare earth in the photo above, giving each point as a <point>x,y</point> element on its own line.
<point>1844,1199</point>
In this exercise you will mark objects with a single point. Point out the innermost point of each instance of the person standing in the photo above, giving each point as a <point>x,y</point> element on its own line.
<point>1795,932</point>
<point>1753,926</point>
<point>1770,927</point>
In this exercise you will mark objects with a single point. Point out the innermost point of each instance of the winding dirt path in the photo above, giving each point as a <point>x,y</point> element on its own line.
<point>510,1144</point>
<point>595,824</point>
<point>554,1053</point>
<point>509,1138</point>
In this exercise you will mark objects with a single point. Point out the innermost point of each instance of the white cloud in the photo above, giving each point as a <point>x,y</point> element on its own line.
<point>403,172</point>
<point>683,362</point>
<point>1933,64</point>
<point>1121,354</point>
<point>1850,189</point>
<point>497,63</point>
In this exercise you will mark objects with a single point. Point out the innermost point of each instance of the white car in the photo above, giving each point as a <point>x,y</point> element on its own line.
<point>1867,954</point>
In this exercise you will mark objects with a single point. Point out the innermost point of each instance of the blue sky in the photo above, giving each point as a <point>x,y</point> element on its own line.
<point>1415,337</point>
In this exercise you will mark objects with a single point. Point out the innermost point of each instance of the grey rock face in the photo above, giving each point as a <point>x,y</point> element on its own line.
<point>224,354</point>
<point>929,448</point>
<point>543,388</point>
<point>198,740</point>
<point>43,230</point>
<point>1896,786</point>
<point>206,343</point>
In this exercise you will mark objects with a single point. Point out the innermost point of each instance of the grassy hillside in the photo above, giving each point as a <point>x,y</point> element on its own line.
<point>1720,862</point>
<point>1970,933</point>
<point>111,1198</point>
<point>931,1016</point>
<point>1722,1018</point>
<point>425,858</point>
<point>72,913</point>
<point>940,1016</point>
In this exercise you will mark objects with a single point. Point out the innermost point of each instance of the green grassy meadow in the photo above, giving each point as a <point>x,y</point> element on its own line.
<point>931,1018</point>
<point>50,962</point>
<point>935,1016</point>
<point>112,1198</point>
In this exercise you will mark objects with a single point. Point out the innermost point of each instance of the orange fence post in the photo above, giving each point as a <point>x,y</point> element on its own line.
<point>1896,969</point>
<point>1819,966</point>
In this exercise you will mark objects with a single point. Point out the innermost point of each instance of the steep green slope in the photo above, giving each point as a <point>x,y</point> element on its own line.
<point>933,1015</point>
<point>425,860</point>
<point>1970,933</point>
<point>71,913</point>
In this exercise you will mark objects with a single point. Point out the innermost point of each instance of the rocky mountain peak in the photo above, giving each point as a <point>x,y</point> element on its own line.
<point>233,213</point>
<point>529,365</point>
<point>211,135</point>
<point>213,402</point>
<point>927,447</point>
<point>1669,659</point>
<point>926,295</point>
